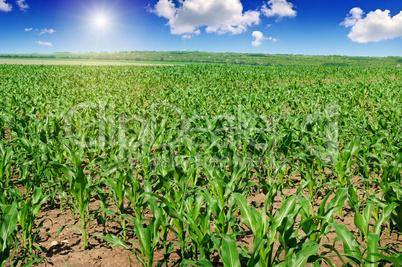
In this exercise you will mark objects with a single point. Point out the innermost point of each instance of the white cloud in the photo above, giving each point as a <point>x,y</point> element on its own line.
<point>28,29</point>
<point>165,8</point>
<point>44,43</point>
<point>220,16</point>
<point>259,37</point>
<point>376,26</point>
<point>5,7</point>
<point>273,39</point>
<point>189,36</point>
<point>355,14</point>
<point>49,31</point>
<point>22,4</point>
<point>278,8</point>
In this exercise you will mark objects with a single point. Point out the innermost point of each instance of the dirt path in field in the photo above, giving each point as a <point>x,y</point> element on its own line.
<point>71,62</point>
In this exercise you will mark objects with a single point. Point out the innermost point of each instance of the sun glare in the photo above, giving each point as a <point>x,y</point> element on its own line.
<point>101,18</point>
<point>100,21</point>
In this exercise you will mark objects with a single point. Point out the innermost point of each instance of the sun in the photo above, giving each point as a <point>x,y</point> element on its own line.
<point>100,21</point>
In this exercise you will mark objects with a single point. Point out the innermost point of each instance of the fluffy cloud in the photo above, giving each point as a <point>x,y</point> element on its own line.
<point>376,26</point>
<point>48,31</point>
<point>278,8</point>
<point>218,16</point>
<point>355,14</point>
<point>28,29</point>
<point>5,7</point>
<point>165,8</point>
<point>44,43</point>
<point>22,4</point>
<point>259,37</point>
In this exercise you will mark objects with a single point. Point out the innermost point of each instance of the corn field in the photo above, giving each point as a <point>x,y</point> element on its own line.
<point>203,165</point>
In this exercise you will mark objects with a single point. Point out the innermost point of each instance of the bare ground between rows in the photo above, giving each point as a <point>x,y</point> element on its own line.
<point>69,249</point>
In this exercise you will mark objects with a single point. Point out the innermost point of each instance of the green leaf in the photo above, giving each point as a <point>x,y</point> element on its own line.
<point>30,263</point>
<point>350,246</point>
<point>61,229</point>
<point>385,214</point>
<point>338,201</point>
<point>111,170</point>
<point>285,210</point>
<point>362,220</point>
<point>372,250</point>
<point>114,241</point>
<point>202,263</point>
<point>230,254</point>
<point>395,259</point>
<point>9,223</point>
<point>247,212</point>
<point>301,257</point>
<point>255,258</point>
<point>79,229</point>
<point>143,235</point>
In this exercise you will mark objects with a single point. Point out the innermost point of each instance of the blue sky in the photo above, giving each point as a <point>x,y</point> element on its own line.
<point>316,27</point>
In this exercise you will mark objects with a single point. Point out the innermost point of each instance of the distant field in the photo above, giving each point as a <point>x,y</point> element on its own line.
<point>197,57</point>
<point>88,62</point>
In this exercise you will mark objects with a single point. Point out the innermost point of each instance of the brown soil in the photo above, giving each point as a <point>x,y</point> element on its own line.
<point>7,134</point>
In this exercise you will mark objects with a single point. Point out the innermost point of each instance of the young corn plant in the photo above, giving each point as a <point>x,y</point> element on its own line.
<point>135,194</point>
<point>101,214</point>
<point>317,226</point>
<point>366,255</point>
<point>344,162</point>
<point>309,179</point>
<point>80,191</point>
<point>165,222</point>
<point>118,186</point>
<point>8,227</point>
<point>148,237</point>
<point>362,220</point>
<point>267,228</point>
<point>222,206</point>
<point>197,220</point>
<point>6,155</point>
<point>392,193</point>
<point>28,211</point>
<point>174,208</point>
